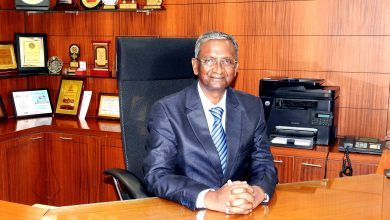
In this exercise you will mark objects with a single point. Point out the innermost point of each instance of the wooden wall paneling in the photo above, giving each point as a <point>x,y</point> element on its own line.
<point>137,24</point>
<point>310,54</point>
<point>99,85</point>
<point>11,22</point>
<point>362,90</point>
<point>314,53</point>
<point>7,4</point>
<point>321,17</point>
<point>362,122</point>
<point>338,17</point>
<point>8,85</point>
<point>72,24</point>
<point>388,120</point>
<point>171,22</point>
<point>263,52</point>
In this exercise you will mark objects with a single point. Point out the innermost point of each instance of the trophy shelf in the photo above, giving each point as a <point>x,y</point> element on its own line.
<point>140,10</point>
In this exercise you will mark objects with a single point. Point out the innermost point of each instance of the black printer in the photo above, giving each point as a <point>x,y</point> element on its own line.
<point>299,112</point>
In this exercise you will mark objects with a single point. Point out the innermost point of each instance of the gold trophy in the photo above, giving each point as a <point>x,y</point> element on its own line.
<point>125,5</point>
<point>74,53</point>
<point>109,4</point>
<point>153,4</point>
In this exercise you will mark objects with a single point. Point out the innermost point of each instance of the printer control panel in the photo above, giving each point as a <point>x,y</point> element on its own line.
<point>322,118</point>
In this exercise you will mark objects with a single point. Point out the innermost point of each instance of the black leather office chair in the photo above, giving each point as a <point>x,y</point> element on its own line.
<point>147,70</point>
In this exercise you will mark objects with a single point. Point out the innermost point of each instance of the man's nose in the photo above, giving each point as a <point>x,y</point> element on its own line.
<point>218,66</point>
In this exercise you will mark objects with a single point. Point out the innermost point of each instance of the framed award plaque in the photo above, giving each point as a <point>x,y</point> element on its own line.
<point>33,5</point>
<point>108,106</point>
<point>153,4</point>
<point>7,58</point>
<point>100,52</point>
<point>69,96</point>
<point>33,102</point>
<point>31,52</point>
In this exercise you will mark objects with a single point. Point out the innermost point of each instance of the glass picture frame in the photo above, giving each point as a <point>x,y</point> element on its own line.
<point>7,58</point>
<point>108,107</point>
<point>31,53</point>
<point>69,97</point>
<point>31,103</point>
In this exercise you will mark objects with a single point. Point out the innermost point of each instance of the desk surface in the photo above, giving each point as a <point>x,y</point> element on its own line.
<point>14,211</point>
<point>359,197</point>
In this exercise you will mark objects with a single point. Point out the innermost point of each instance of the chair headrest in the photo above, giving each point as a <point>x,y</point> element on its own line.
<point>150,58</point>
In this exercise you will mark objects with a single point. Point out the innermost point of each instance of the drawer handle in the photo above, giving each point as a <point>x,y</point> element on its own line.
<point>36,138</point>
<point>311,165</point>
<point>66,138</point>
<point>278,161</point>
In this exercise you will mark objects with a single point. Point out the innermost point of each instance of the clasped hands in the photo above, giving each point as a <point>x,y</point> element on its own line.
<point>237,197</point>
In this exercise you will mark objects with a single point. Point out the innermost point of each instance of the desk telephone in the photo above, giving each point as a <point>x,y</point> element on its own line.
<point>361,145</point>
<point>358,145</point>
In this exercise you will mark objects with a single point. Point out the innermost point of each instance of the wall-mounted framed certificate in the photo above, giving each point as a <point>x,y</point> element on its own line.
<point>31,103</point>
<point>31,52</point>
<point>3,114</point>
<point>108,106</point>
<point>7,57</point>
<point>69,96</point>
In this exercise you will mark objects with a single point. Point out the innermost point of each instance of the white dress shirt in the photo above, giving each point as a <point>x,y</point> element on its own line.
<point>207,105</point>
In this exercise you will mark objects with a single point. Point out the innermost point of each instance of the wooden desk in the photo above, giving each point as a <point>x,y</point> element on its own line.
<point>14,211</point>
<point>384,163</point>
<point>359,197</point>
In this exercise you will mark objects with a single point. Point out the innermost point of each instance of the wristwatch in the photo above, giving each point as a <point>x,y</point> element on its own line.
<point>266,199</point>
<point>34,5</point>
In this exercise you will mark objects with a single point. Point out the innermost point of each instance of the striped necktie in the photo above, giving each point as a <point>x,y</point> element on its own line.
<point>218,136</point>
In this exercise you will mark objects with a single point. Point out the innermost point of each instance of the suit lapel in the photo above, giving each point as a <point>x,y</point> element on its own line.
<point>233,129</point>
<point>197,120</point>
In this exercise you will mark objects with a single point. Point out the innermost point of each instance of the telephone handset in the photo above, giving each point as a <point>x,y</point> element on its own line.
<point>346,169</point>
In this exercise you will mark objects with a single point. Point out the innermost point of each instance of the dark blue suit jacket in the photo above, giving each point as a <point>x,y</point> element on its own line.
<point>181,158</point>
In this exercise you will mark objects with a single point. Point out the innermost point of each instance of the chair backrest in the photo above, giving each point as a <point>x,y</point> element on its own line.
<point>147,70</point>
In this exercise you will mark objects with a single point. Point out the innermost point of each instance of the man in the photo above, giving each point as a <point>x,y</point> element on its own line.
<point>207,146</point>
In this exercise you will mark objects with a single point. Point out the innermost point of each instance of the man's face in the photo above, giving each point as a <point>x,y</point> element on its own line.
<point>215,65</point>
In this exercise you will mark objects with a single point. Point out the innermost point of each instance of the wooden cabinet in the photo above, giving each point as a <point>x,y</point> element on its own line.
<point>308,168</point>
<point>296,165</point>
<point>72,160</point>
<point>361,164</point>
<point>23,169</point>
<point>111,157</point>
<point>284,166</point>
<point>58,166</point>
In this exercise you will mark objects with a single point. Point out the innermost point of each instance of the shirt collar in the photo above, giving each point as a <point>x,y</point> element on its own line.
<point>207,104</point>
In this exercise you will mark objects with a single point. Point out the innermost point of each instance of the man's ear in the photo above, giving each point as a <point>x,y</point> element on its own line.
<point>235,70</point>
<point>195,66</point>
